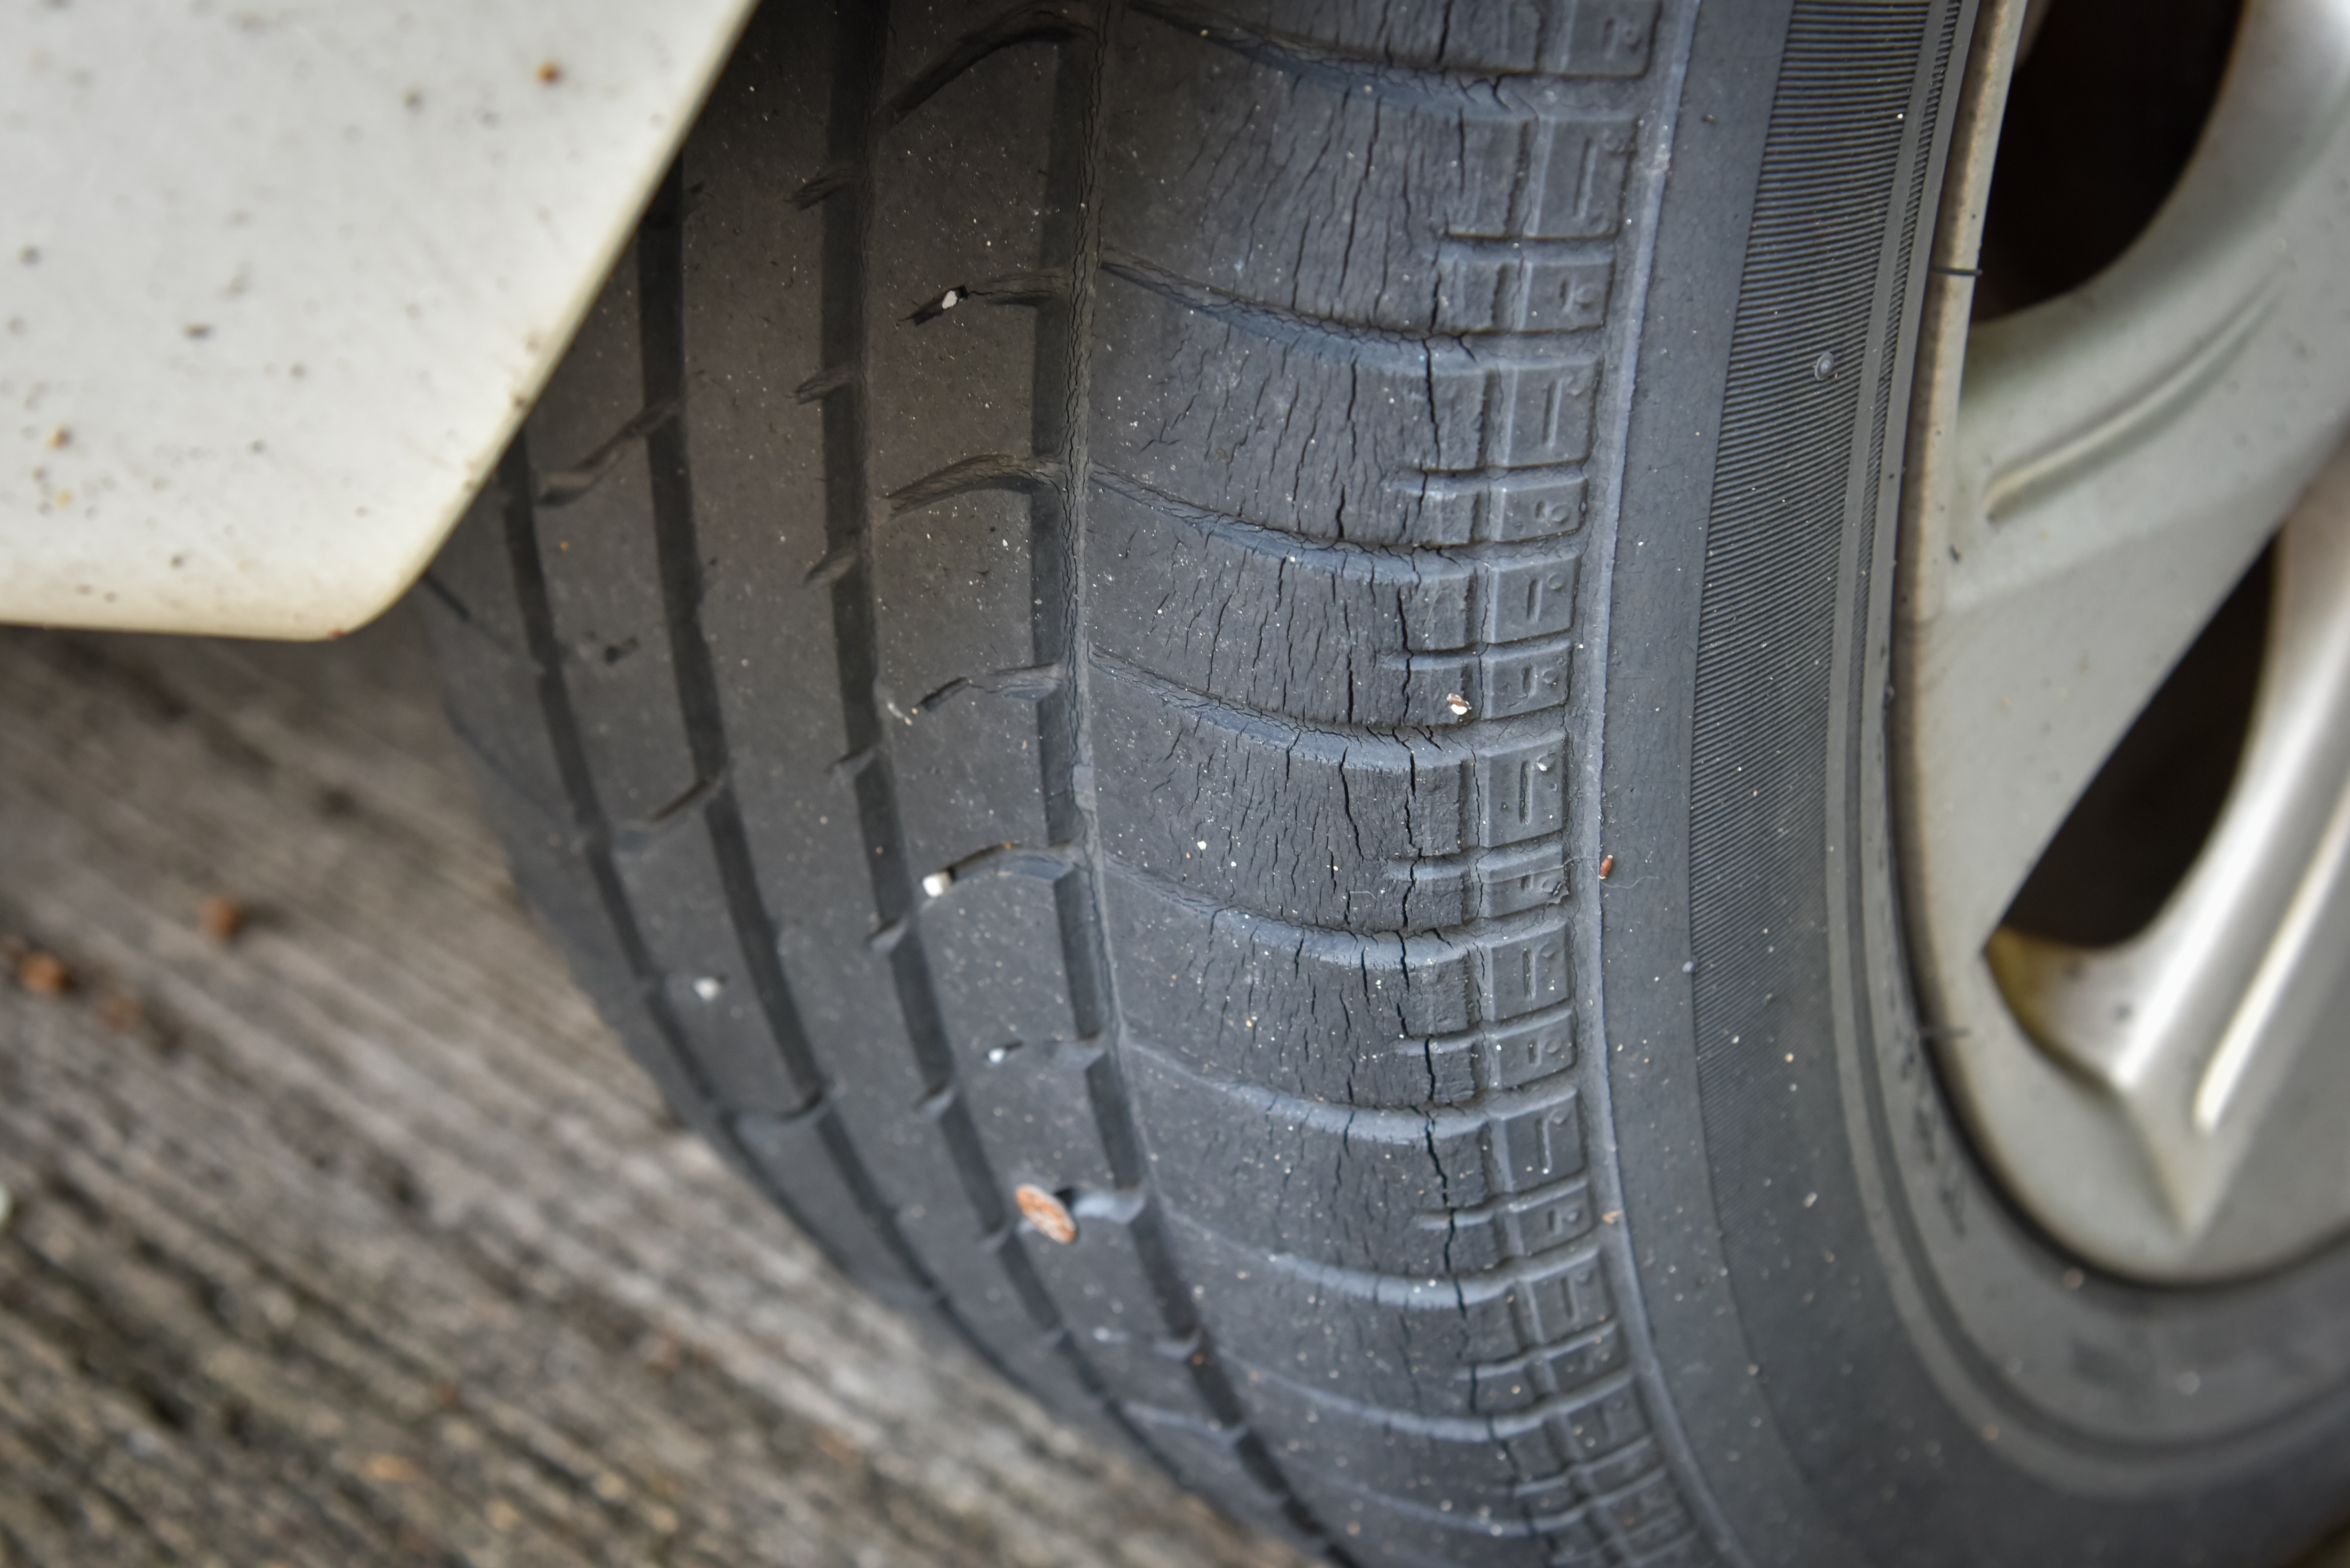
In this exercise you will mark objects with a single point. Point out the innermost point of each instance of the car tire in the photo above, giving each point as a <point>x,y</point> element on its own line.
<point>1207,678</point>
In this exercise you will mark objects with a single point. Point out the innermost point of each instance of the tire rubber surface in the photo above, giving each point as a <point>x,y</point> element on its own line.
<point>1069,655</point>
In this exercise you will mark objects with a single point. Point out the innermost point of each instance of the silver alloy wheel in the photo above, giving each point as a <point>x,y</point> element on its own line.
<point>2090,477</point>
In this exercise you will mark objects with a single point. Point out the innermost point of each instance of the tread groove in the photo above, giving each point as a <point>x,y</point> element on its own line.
<point>661,294</point>
<point>1064,394</point>
<point>519,522</point>
<point>858,117</point>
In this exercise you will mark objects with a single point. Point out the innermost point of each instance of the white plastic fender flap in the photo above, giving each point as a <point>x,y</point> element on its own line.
<point>277,280</point>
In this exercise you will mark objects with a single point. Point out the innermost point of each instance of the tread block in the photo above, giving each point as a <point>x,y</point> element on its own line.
<point>791,1157</point>
<point>1522,969</point>
<point>1033,1110</point>
<point>470,588</point>
<point>1502,1057</point>
<point>552,872</point>
<point>1641,1518</point>
<point>1490,886</point>
<point>1311,827</point>
<point>1534,408</point>
<point>603,586</point>
<point>1360,833</point>
<point>1361,1021</point>
<point>1361,171</point>
<point>1038,1117</point>
<point>1689,1551</point>
<point>1321,633</point>
<point>1102,1289</point>
<point>1528,596</point>
<point>1248,988</point>
<point>1412,1070</point>
<point>1268,621</point>
<point>1446,1346</point>
<point>952,210</point>
<point>926,33</point>
<point>1618,1470</point>
<point>994,937</point>
<point>1362,424</point>
<point>1519,285</point>
<point>1206,1458</point>
<point>1500,1387</point>
<point>1572,187</point>
<point>952,579</point>
<point>1452,1465</point>
<point>1530,504</point>
<point>952,585</point>
<point>951,590</point>
<point>1518,789</point>
<point>673,884</point>
<point>1505,681</point>
<point>968,778</point>
<point>993,940</point>
<point>602,386</point>
<point>847,995</point>
<point>1361,1189</point>
<point>1273,418</point>
<point>1378,1190</point>
<point>1496,1233</point>
<point>482,707</point>
<point>601,564</point>
<point>1386,1534</point>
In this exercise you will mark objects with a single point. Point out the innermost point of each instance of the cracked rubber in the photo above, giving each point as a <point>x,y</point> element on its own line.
<point>1044,653</point>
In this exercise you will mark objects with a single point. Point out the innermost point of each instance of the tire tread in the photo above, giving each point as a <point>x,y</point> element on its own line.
<point>998,1022</point>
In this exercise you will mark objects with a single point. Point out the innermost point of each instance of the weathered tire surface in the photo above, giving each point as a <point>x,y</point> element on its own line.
<point>1055,631</point>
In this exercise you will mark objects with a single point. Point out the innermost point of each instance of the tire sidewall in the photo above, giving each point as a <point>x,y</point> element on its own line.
<point>1873,1356</point>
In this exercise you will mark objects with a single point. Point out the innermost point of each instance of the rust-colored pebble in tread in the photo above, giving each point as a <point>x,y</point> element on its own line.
<point>1049,1216</point>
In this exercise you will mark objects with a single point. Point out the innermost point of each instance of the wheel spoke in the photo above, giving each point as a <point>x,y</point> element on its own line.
<point>2120,455</point>
<point>2193,1025</point>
